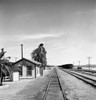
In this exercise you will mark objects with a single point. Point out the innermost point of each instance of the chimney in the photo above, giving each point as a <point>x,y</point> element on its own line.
<point>21,51</point>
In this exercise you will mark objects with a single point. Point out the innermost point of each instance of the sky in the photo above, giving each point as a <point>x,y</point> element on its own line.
<point>67,28</point>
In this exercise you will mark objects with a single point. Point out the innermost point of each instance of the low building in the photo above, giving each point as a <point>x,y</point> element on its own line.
<point>27,68</point>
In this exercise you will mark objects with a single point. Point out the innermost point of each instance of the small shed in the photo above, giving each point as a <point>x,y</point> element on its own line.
<point>27,68</point>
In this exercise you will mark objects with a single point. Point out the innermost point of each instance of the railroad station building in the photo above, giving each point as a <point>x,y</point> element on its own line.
<point>27,68</point>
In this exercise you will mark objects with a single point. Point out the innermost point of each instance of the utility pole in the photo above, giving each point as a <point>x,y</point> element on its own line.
<point>78,63</point>
<point>89,61</point>
<point>73,63</point>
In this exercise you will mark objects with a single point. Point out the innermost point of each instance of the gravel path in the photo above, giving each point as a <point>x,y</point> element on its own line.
<point>11,88</point>
<point>76,89</point>
<point>25,89</point>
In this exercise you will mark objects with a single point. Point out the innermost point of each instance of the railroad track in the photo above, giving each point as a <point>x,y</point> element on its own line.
<point>85,72</point>
<point>86,79</point>
<point>54,89</point>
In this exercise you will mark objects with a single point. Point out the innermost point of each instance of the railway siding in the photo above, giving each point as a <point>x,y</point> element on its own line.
<point>86,75</point>
<point>76,89</point>
<point>88,79</point>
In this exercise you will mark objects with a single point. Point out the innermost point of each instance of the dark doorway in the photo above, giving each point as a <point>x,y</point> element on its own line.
<point>20,71</point>
<point>29,70</point>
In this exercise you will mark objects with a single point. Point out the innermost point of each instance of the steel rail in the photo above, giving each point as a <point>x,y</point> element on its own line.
<point>87,73</point>
<point>46,90</point>
<point>91,73</point>
<point>82,77</point>
<point>61,87</point>
<point>54,76</point>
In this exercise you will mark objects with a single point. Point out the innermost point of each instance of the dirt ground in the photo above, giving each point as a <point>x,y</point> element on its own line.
<point>76,89</point>
<point>23,89</point>
<point>27,89</point>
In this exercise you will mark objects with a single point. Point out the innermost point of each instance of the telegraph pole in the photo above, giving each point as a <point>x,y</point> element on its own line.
<point>78,63</point>
<point>73,63</point>
<point>89,61</point>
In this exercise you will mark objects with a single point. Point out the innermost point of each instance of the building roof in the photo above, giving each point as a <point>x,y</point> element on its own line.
<point>30,61</point>
<point>24,61</point>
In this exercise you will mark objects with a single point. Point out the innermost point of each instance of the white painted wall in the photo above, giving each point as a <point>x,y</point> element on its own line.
<point>24,69</point>
<point>16,76</point>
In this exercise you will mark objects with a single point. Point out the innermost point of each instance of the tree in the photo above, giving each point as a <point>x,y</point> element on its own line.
<point>39,54</point>
<point>5,66</point>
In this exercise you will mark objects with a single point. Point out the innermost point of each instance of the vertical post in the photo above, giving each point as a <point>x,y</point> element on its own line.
<point>1,55</point>
<point>89,61</point>
<point>79,64</point>
<point>0,76</point>
<point>21,51</point>
<point>73,63</point>
<point>35,71</point>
